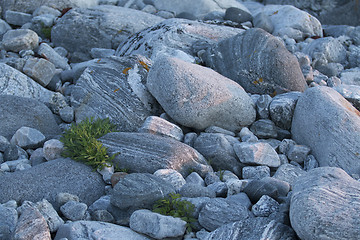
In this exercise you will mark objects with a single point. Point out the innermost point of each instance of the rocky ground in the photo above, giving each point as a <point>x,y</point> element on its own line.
<point>248,110</point>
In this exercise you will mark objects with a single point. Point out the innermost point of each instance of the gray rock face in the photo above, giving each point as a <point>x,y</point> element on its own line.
<point>43,181</point>
<point>97,231</point>
<point>144,152</point>
<point>258,61</point>
<point>114,88</point>
<point>332,132</point>
<point>195,96</point>
<point>139,190</point>
<point>101,26</point>
<point>253,229</point>
<point>339,192</point>
<point>174,37</point>
<point>20,39</point>
<point>259,153</point>
<point>156,225</point>
<point>16,112</point>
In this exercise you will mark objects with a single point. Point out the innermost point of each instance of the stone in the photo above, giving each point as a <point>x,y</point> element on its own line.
<point>159,126</point>
<point>31,225</point>
<point>25,112</point>
<point>282,109</point>
<point>139,190</point>
<point>336,142</point>
<point>8,221</point>
<point>37,157</point>
<point>192,81</point>
<point>67,114</point>
<point>298,153</point>
<point>195,178</point>
<point>17,18</point>
<point>210,178</point>
<point>218,151</point>
<point>215,129</point>
<point>253,228</point>
<point>264,128</point>
<point>339,191</point>
<point>247,136</point>
<point>39,69</point>
<point>263,21</point>
<point>262,106</point>
<point>15,164</point>
<point>285,145</point>
<point>100,26</point>
<point>64,197</point>
<point>156,225</point>
<point>52,218</point>
<point>52,56</point>
<point>265,206</point>
<point>46,10</point>
<point>26,137</point>
<point>266,66</point>
<point>258,172</point>
<point>191,190</point>
<point>198,202</point>
<point>43,181</point>
<point>354,57</point>
<point>259,153</point>
<point>53,149</point>
<point>171,176</point>
<point>350,76</point>
<point>4,27</point>
<point>20,39</point>
<point>145,152</point>
<point>102,216</point>
<point>124,100</point>
<point>101,52</point>
<point>220,188</point>
<point>288,173</point>
<point>350,93</point>
<point>189,138</point>
<point>345,13</point>
<point>174,37</point>
<point>235,186</point>
<point>74,210</point>
<point>237,15</point>
<point>310,163</point>
<point>269,186</point>
<point>219,211</point>
<point>96,230</point>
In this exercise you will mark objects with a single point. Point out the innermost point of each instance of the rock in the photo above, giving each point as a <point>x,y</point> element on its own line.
<point>335,143</point>
<point>124,100</point>
<point>26,137</point>
<point>144,152</point>
<point>46,10</point>
<point>17,18</point>
<point>264,128</point>
<point>263,21</point>
<point>310,163</point>
<point>237,15</point>
<point>340,193</point>
<point>218,151</point>
<point>100,26</point>
<point>265,206</point>
<point>49,213</point>
<point>266,67</point>
<point>288,173</point>
<point>64,197</point>
<point>102,216</point>
<point>20,39</point>
<point>220,189</point>
<point>191,190</point>
<point>350,93</point>
<point>8,221</point>
<point>219,211</point>
<point>350,76</point>
<point>53,149</point>
<point>96,230</point>
<point>73,210</point>
<point>174,37</point>
<point>39,69</point>
<point>215,129</point>
<point>25,112</point>
<point>43,181</point>
<point>259,153</point>
<point>193,81</point>
<point>298,153</point>
<point>258,172</point>
<point>171,176</point>
<point>52,56</point>
<point>235,186</point>
<point>345,14</point>
<point>247,136</point>
<point>4,27</point>
<point>139,190</point>
<point>195,178</point>
<point>156,225</point>
<point>158,126</point>
<point>253,228</point>
<point>189,138</point>
<point>101,52</point>
<point>262,106</point>
<point>67,114</point>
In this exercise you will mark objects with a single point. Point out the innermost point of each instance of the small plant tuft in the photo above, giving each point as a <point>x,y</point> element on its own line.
<point>81,144</point>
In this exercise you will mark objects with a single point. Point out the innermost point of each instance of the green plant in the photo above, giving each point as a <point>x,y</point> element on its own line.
<point>173,206</point>
<point>46,31</point>
<point>81,144</point>
<point>221,175</point>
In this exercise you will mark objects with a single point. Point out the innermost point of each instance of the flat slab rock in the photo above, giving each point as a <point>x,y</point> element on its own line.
<point>325,204</point>
<point>146,153</point>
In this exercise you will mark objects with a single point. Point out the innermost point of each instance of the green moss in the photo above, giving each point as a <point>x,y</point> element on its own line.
<point>81,144</point>
<point>47,32</point>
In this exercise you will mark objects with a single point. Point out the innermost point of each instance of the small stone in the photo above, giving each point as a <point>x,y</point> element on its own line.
<point>46,10</point>
<point>171,176</point>
<point>63,198</point>
<point>258,172</point>
<point>265,206</point>
<point>220,188</point>
<point>310,163</point>
<point>11,152</point>
<point>37,157</point>
<point>235,186</point>
<point>115,178</point>
<point>190,138</point>
<point>8,220</point>
<point>41,70</point>
<point>195,178</point>
<point>194,190</point>
<point>215,129</point>
<point>237,15</point>
<point>247,136</point>
<point>264,128</point>
<point>20,39</point>
<point>53,149</point>
<point>52,56</point>
<point>26,137</point>
<point>17,18</point>
<point>49,213</point>
<point>159,126</point>
<point>262,106</point>
<point>298,153</point>
<point>22,166</point>
<point>288,173</point>
<point>74,210</point>
<point>67,114</point>
<point>263,21</point>
<point>3,143</point>
<point>210,178</point>
<point>285,145</point>
<point>102,216</point>
<point>101,52</point>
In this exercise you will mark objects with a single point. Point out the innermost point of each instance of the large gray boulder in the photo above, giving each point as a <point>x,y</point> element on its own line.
<point>198,97</point>
<point>48,179</point>
<point>102,26</point>
<point>114,87</point>
<point>147,153</point>
<point>174,37</point>
<point>16,112</point>
<point>325,204</point>
<point>330,125</point>
<point>258,61</point>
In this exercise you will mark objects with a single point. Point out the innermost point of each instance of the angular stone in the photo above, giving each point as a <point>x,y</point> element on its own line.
<point>264,128</point>
<point>335,143</point>
<point>4,27</point>
<point>247,136</point>
<point>159,126</point>
<point>195,178</point>
<point>259,153</point>
<point>156,225</point>
<point>235,186</point>
<point>220,189</point>
<point>262,106</point>
<point>195,96</point>
<point>266,67</point>
<point>258,172</point>
<point>17,18</point>
<point>52,218</point>
<point>8,221</point>
<point>265,206</point>
<point>20,39</point>
<point>52,56</point>
<point>338,218</point>
<point>191,190</point>
<point>26,137</point>
<point>39,69</point>
<point>171,176</point>
<point>73,210</point>
<point>267,186</point>
<point>298,153</point>
<point>139,190</point>
<point>53,149</point>
<point>288,173</point>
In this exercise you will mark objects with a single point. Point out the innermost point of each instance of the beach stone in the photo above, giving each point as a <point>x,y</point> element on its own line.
<point>194,80</point>
<point>266,66</point>
<point>39,69</point>
<point>298,153</point>
<point>137,150</point>
<point>74,210</point>
<point>263,21</point>
<point>259,153</point>
<point>237,15</point>
<point>171,176</point>
<point>52,56</point>
<point>288,173</point>
<point>264,128</point>
<point>17,18</point>
<point>220,188</point>
<point>189,138</point>
<point>161,127</point>
<point>339,191</point>
<point>26,137</point>
<point>8,221</point>
<point>350,93</point>
<point>191,190</point>
<point>350,76</point>
<point>265,206</point>
<point>195,178</point>
<point>4,27</point>
<point>103,26</point>
<point>336,142</point>
<point>20,39</point>
<point>52,149</point>
<point>262,106</point>
<point>257,172</point>
<point>52,218</point>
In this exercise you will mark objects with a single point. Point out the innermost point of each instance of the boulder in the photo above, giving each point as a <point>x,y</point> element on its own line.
<point>195,96</point>
<point>258,61</point>
<point>325,204</point>
<point>20,39</point>
<point>145,152</point>
<point>330,125</point>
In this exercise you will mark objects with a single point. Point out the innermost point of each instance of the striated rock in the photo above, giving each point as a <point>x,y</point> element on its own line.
<point>115,88</point>
<point>20,39</point>
<point>195,96</point>
<point>82,29</point>
<point>333,132</point>
<point>144,152</point>
<point>325,203</point>
<point>159,126</point>
<point>258,61</point>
